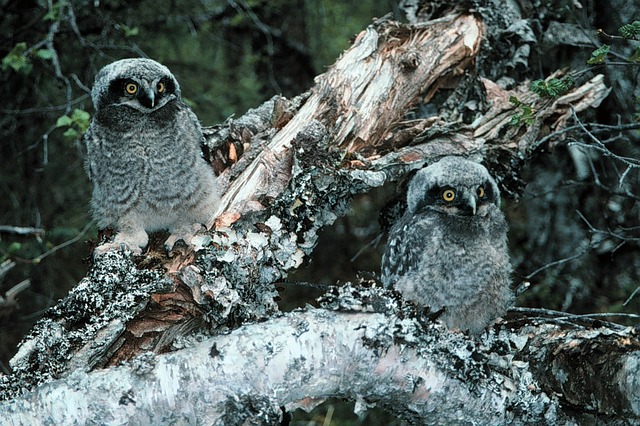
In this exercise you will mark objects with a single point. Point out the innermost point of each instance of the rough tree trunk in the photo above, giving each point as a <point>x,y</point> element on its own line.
<point>288,168</point>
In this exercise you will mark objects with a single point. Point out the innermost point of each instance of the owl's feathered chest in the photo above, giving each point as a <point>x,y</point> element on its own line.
<point>148,156</point>
<point>443,245</point>
<point>132,136</point>
<point>130,125</point>
<point>458,232</point>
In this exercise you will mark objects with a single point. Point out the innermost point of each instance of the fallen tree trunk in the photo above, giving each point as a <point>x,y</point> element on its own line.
<point>288,168</point>
<point>420,371</point>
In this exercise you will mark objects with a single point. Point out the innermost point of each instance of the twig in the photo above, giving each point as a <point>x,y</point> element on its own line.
<point>550,314</point>
<point>65,244</point>
<point>12,293</point>
<point>558,262</point>
<point>626,302</point>
<point>21,230</point>
<point>631,162</point>
<point>5,267</point>
<point>609,233</point>
<point>595,128</point>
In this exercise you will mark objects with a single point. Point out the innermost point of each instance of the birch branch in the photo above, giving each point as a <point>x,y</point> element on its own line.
<point>420,371</point>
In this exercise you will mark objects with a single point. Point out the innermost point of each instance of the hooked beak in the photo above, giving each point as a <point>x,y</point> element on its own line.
<point>151,96</point>
<point>470,202</point>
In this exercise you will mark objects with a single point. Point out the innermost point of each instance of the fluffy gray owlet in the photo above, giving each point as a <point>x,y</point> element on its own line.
<point>144,157</point>
<point>449,250</point>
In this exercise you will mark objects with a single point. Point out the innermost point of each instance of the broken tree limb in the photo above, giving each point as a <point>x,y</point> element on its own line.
<point>362,97</point>
<point>418,370</point>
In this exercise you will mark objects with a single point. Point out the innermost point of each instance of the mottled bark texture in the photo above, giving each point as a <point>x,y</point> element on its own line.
<point>388,358</point>
<point>288,168</point>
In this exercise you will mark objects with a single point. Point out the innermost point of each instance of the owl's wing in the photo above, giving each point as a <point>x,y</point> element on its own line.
<point>89,154</point>
<point>402,252</point>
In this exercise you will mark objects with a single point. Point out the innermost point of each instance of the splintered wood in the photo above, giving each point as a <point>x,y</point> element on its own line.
<point>365,94</point>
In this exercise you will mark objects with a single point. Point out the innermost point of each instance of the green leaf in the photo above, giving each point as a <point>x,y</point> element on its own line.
<point>45,54</point>
<point>17,59</point>
<point>55,13</point>
<point>80,115</point>
<point>635,56</point>
<point>76,124</point>
<point>599,55</point>
<point>556,87</point>
<point>64,121</point>
<point>71,133</point>
<point>130,32</point>
<point>514,100</point>
<point>80,119</point>
<point>552,88</point>
<point>14,247</point>
<point>630,31</point>
<point>539,87</point>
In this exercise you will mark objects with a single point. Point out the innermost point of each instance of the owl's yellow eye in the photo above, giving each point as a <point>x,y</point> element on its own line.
<point>160,87</point>
<point>448,195</point>
<point>131,88</point>
<point>481,192</point>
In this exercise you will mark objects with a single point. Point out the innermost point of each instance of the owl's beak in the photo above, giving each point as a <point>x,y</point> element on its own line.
<point>152,97</point>
<point>469,204</point>
<point>148,98</point>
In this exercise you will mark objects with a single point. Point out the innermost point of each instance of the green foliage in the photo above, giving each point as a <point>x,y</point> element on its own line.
<point>635,56</point>
<point>552,88</point>
<point>75,125</point>
<point>17,59</point>
<point>14,247</point>
<point>55,13</point>
<point>45,54</point>
<point>526,115</point>
<point>599,55</point>
<point>630,31</point>
<point>129,31</point>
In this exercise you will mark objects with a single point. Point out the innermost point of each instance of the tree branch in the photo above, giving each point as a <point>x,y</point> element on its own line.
<point>417,370</point>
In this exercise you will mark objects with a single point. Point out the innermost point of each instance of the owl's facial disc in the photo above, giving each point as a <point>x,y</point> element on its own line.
<point>146,96</point>
<point>460,201</point>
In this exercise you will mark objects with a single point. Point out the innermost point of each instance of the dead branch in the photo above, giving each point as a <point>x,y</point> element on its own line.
<point>421,371</point>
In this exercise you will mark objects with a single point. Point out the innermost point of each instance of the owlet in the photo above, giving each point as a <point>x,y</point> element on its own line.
<point>449,250</point>
<point>144,157</point>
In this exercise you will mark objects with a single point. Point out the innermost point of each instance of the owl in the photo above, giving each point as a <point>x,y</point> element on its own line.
<point>144,157</point>
<point>449,249</point>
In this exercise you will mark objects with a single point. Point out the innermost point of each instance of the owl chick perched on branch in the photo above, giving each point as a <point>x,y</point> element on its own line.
<point>449,250</point>
<point>144,157</point>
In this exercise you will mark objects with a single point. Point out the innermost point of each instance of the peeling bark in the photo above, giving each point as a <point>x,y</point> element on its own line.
<point>416,369</point>
<point>288,168</point>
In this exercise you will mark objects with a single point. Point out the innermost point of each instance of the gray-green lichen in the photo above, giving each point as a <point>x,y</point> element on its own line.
<point>486,364</point>
<point>113,291</point>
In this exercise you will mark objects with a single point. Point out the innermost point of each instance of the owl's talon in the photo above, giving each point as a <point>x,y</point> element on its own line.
<point>182,237</point>
<point>178,245</point>
<point>118,246</point>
